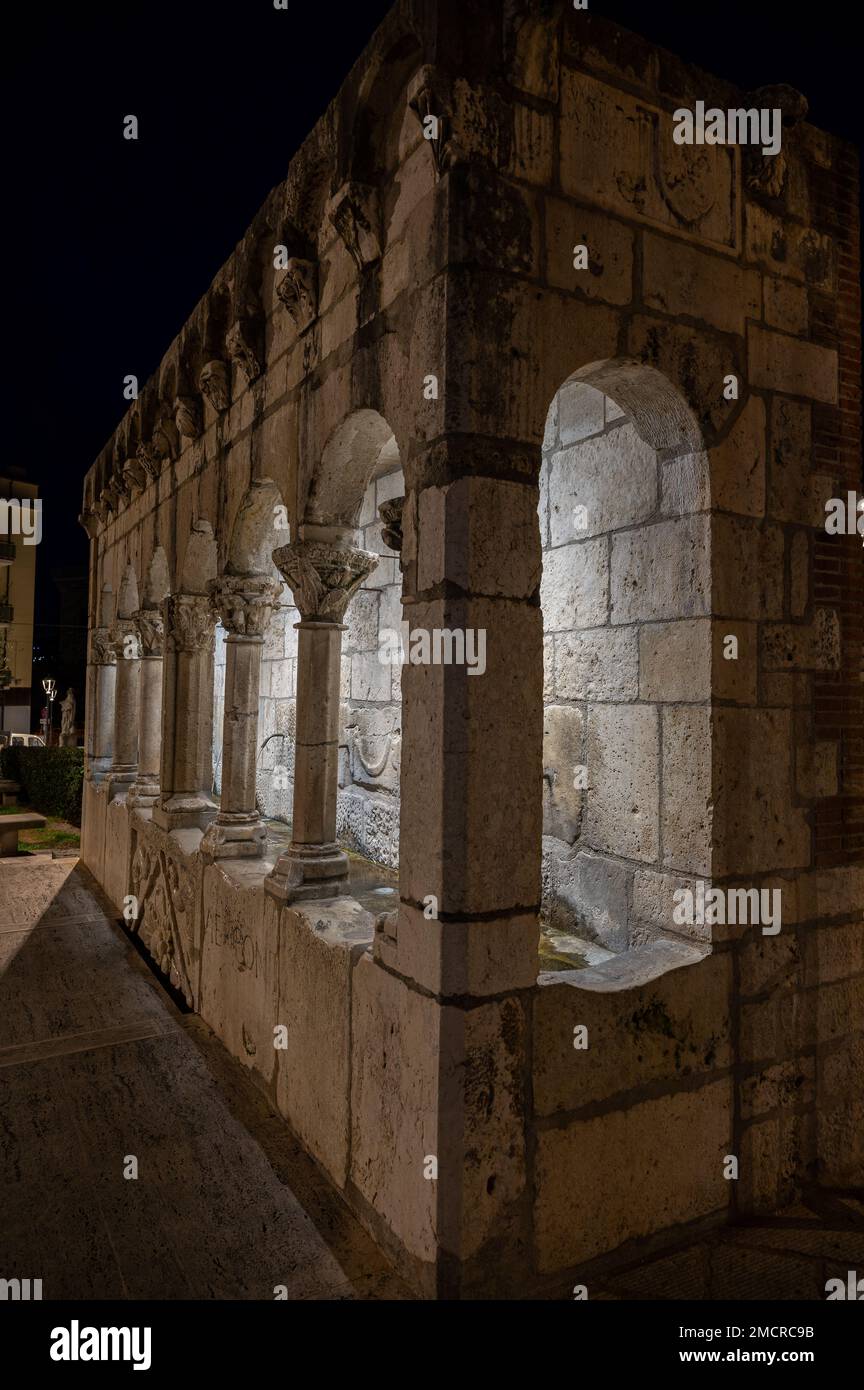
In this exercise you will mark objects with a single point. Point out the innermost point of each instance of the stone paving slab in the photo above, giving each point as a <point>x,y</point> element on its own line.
<point>97,1065</point>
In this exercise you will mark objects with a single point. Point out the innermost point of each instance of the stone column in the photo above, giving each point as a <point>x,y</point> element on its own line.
<point>124,764</point>
<point>150,629</point>
<point>186,775</point>
<point>245,605</point>
<point>103,666</point>
<point>323,570</point>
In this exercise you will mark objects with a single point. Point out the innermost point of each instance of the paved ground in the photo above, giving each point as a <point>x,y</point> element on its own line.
<point>96,1064</point>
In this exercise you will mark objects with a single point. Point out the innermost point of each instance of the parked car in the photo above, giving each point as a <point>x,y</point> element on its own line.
<point>8,740</point>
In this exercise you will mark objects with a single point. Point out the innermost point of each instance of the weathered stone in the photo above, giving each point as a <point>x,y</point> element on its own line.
<point>608,274</point>
<point>574,591</point>
<point>738,464</point>
<point>816,769</point>
<point>813,646</point>
<point>686,804</point>
<point>661,571</point>
<point>682,280</point>
<point>757,825</point>
<point>780,362</point>
<point>600,664</point>
<point>621,812</point>
<point>562,757</point>
<point>634,1188</point>
<point>613,477</point>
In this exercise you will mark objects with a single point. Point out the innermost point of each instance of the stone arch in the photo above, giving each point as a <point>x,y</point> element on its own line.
<point>157,581</point>
<point>256,533</point>
<point>350,459</point>
<point>199,560</point>
<point>369,124</point>
<point>628,655</point>
<point>259,528</point>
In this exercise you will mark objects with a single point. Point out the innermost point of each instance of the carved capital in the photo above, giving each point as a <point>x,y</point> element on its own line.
<point>298,291</point>
<point>766,173</point>
<point>429,99</point>
<point>150,627</point>
<point>135,474</point>
<point>215,384</point>
<point>148,456</point>
<point>391,515</point>
<point>113,496</point>
<point>244,604</point>
<point>166,438</point>
<point>355,214</point>
<point>188,622</point>
<point>187,416</point>
<point>103,506</point>
<point>323,576</point>
<point>102,651</point>
<point>241,344</point>
<point>89,519</point>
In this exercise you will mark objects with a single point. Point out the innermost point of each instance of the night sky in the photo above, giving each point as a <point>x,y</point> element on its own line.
<point>116,240</point>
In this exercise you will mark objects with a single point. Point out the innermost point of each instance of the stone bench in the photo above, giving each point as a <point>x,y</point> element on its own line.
<point>11,825</point>
<point>8,792</point>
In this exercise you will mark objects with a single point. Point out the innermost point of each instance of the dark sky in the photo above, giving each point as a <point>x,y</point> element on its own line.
<point>116,240</point>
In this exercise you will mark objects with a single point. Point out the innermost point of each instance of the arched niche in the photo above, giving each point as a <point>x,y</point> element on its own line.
<point>628,658</point>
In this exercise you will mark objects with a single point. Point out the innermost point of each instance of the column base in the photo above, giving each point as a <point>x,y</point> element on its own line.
<point>120,780</point>
<point>144,794</point>
<point>308,871</point>
<point>186,811</point>
<point>241,837</point>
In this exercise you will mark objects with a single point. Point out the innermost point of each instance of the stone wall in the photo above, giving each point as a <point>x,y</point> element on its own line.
<point>428,1032</point>
<point>627,659</point>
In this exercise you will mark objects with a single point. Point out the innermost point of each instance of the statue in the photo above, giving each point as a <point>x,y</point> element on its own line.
<point>68,736</point>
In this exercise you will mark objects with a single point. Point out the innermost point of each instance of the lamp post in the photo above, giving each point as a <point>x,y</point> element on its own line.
<point>50,688</point>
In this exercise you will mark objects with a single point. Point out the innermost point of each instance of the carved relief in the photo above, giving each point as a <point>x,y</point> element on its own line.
<point>166,439</point>
<point>323,577</point>
<point>391,515</point>
<point>112,496</point>
<point>165,894</point>
<point>215,384</point>
<point>102,647</point>
<point>149,458</point>
<point>188,623</point>
<point>240,343</point>
<point>151,631</point>
<point>428,97</point>
<point>355,214</point>
<point>135,474</point>
<point>187,416</point>
<point>298,291</point>
<point>765,173</point>
<point>685,177</point>
<point>244,605</point>
<point>89,519</point>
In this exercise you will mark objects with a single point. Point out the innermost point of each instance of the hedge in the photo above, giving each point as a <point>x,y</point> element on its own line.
<point>51,779</point>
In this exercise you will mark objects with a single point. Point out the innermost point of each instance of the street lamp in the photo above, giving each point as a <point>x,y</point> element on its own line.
<point>50,688</point>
